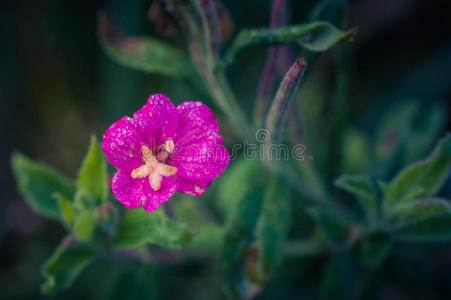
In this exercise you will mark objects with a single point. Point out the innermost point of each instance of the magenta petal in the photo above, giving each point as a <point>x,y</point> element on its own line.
<point>198,124</point>
<point>130,192</point>
<point>157,119</point>
<point>199,154</point>
<point>154,199</point>
<point>121,144</point>
<point>191,188</point>
<point>133,193</point>
<point>201,162</point>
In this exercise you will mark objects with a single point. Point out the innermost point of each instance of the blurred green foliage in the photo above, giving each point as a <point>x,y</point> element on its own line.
<point>369,201</point>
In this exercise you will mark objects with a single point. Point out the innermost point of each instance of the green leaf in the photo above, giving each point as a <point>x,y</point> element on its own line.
<point>197,216</point>
<point>393,136</point>
<point>84,225</point>
<point>238,238</point>
<point>322,36</point>
<point>316,36</point>
<point>373,249</point>
<point>231,189</point>
<point>107,218</point>
<point>64,266</point>
<point>138,228</point>
<point>333,229</point>
<point>422,179</point>
<point>66,209</point>
<point>191,211</point>
<point>38,183</point>
<point>396,125</point>
<point>83,200</point>
<point>421,220</point>
<point>426,128</point>
<point>355,148</point>
<point>208,238</point>
<point>408,131</point>
<point>142,53</point>
<point>360,187</point>
<point>93,176</point>
<point>273,228</point>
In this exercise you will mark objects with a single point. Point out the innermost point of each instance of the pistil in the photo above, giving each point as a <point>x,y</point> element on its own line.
<point>154,167</point>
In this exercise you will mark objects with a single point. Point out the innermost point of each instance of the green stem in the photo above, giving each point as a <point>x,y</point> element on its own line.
<point>211,28</point>
<point>224,97</point>
<point>204,55</point>
<point>268,75</point>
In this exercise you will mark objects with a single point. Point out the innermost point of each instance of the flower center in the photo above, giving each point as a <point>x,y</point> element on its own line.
<point>154,167</point>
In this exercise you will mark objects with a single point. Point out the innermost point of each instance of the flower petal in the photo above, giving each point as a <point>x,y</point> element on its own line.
<point>121,144</point>
<point>130,192</point>
<point>133,193</point>
<point>197,124</point>
<point>158,119</point>
<point>191,188</point>
<point>199,154</point>
<point>154,199</point>
<point>200,162</point>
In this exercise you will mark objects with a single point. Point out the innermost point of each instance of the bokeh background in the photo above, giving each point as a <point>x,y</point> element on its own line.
<point>57,87</point>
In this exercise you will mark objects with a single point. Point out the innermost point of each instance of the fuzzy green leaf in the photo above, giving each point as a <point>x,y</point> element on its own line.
<point>355,148</point>
<point>396,126</point>
<point>93,176</point>
<point>421,220</point>
<point>407,132</point>
<point>196,215</point>
<point>426,128</point>
<point>422,179</point>
<point>316,36</point>
<point>142,53</point>
<point>84,200</point>
<point>38,184</point>
<point>273,228</point>
<point>238,238</point>
<point>333,229</point>
<point>138,228</point>
<point>64,266</point>
<point>361,188</point>
<point>231,189</point>
<point>66,209</point>
<point>84,225</point>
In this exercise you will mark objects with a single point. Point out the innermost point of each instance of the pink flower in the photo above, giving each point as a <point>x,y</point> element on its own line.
<point>164,149</point>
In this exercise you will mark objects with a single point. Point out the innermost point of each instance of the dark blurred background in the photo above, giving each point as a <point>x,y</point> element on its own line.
<point>57,87</point>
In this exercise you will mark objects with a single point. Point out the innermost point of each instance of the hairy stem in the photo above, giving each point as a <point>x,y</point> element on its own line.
<point>217,83</point>
<point>203,46</point>
<point>220,90</point>
<point>211,27</point>
<point>269,72</point>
